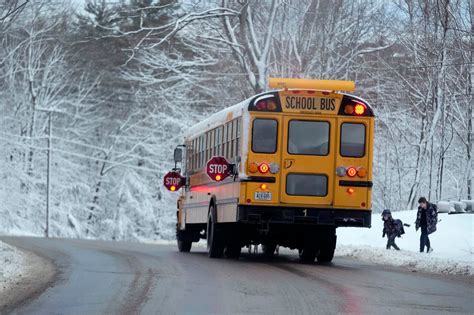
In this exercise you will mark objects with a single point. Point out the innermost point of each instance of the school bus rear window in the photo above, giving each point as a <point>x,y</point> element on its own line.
<point>352,140</point>
<point>264,135</point>
<point>308,137</point>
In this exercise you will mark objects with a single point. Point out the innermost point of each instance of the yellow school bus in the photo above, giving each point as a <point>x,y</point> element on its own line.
<point>282,168</point>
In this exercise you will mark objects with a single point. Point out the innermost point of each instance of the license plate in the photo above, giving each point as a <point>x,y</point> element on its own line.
<point>263,195</point>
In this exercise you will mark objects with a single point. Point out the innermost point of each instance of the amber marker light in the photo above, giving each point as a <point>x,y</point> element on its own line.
<point>359,109</point>
<point>263,186</point>
<point>271,105</point>
<point>253,167</point>
<point>349,110</point>
<point>350,190</point>
<point>173,188</point>
<point>218,177</point>
<point>361,172</point>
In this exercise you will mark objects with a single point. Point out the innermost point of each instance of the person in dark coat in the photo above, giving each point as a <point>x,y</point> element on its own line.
<point>390,229</point>
<point>426,219</point>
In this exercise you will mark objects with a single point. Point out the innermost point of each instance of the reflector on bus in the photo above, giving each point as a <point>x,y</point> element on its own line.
<point>326,85</point>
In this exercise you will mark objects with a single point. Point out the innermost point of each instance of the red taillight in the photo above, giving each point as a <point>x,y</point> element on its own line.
<point>351,171</point>
<point>359,109</point>
<point>263,168</point>
<point>261,105</point>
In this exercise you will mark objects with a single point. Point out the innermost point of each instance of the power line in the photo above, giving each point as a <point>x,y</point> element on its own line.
<point>140,168</point>
<point>92,147</point>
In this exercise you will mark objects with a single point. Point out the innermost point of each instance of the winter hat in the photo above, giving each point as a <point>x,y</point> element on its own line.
<point>386,211</point>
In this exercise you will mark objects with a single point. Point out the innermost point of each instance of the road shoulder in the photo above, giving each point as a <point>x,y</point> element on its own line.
<point>27,281</point>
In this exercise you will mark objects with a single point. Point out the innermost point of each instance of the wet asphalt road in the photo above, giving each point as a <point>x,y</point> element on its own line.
<point>97,277</point>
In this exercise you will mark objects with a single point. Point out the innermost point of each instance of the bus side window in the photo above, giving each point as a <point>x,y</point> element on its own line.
<point>224,140</point>
<point>201,151</point>
<point>237,138</point>
<point>228,141</point>
<point>232,139</point>
<point>352,140</point>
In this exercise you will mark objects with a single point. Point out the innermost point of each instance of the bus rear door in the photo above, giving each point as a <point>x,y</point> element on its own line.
<point>308,151</point>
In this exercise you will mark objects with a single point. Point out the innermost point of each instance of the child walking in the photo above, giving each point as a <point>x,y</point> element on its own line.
<point>390,228</point>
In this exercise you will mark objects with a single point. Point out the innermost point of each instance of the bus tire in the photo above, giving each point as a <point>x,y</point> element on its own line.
<point>268,250</point>
<point>184,246</point>
<point>233,251</point>
<point>184,240</point>
<point>326,254</point>
<point>215,245</point>
<point>308,254</point>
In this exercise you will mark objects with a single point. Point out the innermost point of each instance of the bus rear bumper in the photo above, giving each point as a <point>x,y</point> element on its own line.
<point>310,216</point>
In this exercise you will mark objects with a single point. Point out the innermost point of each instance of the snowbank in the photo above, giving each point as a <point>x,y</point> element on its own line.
<point>453,244</point>
<point>12,265</point>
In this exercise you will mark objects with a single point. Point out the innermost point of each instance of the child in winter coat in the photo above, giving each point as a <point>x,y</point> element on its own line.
<point>390,228</point>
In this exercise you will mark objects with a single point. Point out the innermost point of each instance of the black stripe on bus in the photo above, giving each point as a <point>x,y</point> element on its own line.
<point>356,183</point>
<point>258,179</point>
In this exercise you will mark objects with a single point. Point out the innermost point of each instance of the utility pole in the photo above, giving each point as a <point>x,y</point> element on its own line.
<point>48,176</point>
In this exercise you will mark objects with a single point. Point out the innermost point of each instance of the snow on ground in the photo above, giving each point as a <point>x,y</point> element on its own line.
<point>453,244</point>
<point>12,265</point>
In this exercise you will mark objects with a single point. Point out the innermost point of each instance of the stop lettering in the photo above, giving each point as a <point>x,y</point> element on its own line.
<point>173,181</point>
<point>217,168</point>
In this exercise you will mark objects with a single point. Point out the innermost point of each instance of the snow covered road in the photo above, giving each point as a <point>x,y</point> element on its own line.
<point>98,277</point>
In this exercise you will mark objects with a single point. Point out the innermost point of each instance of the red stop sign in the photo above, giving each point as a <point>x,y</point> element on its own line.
<point>173,181</point>
<point>217,168</point>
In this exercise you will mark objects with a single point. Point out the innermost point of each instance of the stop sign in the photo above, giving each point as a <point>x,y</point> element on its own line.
<point>217,168</point>
<point>173,181</point>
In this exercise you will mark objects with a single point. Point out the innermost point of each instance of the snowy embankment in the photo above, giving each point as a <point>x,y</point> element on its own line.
<point>12,266</point>
<point>453,244</point>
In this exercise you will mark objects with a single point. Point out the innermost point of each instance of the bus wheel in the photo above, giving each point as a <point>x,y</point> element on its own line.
<point>215,247</point>
<point>184,246</point>
<point>232,251</point>
<point>308,254</point>
<point>184,240</point>
<point>328,247</point>
<point>269,249</point>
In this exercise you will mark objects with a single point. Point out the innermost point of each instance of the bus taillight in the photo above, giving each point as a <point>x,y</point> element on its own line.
<point>351,171</point>
<point>263,168</point>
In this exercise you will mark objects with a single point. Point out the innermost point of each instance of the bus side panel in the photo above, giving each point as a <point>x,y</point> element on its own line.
<point>198,198</point>
<point>227,198</point>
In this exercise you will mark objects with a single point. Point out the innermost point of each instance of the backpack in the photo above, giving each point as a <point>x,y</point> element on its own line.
<point>399,227</point>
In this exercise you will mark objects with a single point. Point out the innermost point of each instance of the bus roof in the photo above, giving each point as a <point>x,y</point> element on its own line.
<point>219,118</point>
<point>239,109</point>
